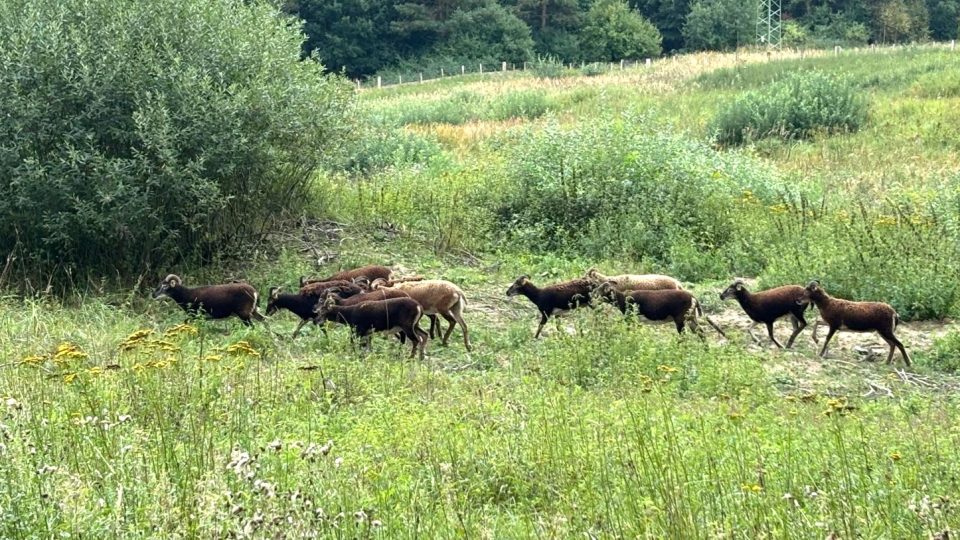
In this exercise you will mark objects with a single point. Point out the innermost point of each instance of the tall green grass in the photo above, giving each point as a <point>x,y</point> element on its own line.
<point>610,430</point>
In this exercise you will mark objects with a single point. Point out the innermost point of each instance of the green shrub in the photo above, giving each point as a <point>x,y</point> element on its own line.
<point>524,104</point>
<point>800,105</point>
<point>945,354</point>
<point>593,69</point>
<point>619,187</point>
<point>547,67</point>
<point>905,255</point>
<point>937,85</point>
<point>145,134</point>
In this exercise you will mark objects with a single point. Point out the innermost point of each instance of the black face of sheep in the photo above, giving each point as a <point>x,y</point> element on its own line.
<point>812,293</point>
<point>518,285</point>
<point>272,298</point>
<point>731,291</point>
<point>168,283</point>
<point>606,291</point>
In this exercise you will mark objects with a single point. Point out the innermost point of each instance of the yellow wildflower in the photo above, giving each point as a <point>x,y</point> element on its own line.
<point>663,368</point>
<point>180,329</point>
<point>68,351</point>
<point>751,488</point>
<point>895,456</point>
<point>135,339</point>
<point>212,358</point>
<point>242,348</point>
<point>33,360</point>
<point>69,378</point>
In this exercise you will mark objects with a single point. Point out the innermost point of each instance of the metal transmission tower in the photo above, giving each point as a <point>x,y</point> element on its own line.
<point>768,23</point>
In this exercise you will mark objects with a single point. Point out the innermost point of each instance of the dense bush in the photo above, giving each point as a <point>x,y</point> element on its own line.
<point>906,253</point>
<point>720,24</point>
<point>142,134</point>
<point>945,354</point>
<point>614,31</point>
<point>799,105</point>
<point>620,187</point>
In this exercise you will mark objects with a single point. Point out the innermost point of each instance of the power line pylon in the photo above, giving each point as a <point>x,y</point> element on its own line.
<point>769,23</point>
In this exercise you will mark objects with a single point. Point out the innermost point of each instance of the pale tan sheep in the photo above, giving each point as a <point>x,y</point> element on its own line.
<point>634,282</point>
<point>436,297</point>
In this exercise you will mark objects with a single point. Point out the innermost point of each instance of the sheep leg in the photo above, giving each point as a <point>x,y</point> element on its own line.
<point>543,321</point>
<point>299,326</point>
<point>799,323</point>
<point>695,326</point>
<point>816,325</point>
<point>772,337</point>
<point>434,326</point>
<point>752,335</point>
<point>246,321</point>
<point>446,335</point>
<point>715,326</point>
<point>826,341</point>
<point>680,324</point>
<point>457,313</point>
<point>893,342</point>
<point>421,339</point>
<point>414,340</point>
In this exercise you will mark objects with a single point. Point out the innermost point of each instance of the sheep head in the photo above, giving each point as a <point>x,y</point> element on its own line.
<point>594,275</point>
<point>735,288</point>
<point>323,307</point>
<point>272,298</point>
<point>379,283</point>
<point>170,282</point>
<point>813,292</point>
<point>606,291</point>
<point>521,282</point>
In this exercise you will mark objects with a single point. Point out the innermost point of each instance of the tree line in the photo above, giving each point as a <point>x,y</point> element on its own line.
<point>362,37</point>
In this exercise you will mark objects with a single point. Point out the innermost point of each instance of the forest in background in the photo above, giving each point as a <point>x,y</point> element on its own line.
<point>363,37</point>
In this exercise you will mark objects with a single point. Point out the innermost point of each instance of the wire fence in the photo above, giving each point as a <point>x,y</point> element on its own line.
<point>589,68</point>
<point>493,69</point>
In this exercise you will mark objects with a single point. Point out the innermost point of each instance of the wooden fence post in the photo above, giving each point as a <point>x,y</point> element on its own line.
<point>379,82</point>
<point>504,66</point>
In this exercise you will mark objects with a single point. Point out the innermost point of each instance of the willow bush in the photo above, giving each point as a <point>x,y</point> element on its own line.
<point>145,134</point>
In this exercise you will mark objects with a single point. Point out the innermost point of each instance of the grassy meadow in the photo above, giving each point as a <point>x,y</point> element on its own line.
<point>118,421</point>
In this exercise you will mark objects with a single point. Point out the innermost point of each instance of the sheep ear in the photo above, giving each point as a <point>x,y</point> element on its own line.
<point>739,286</point>
<point>274,293</point>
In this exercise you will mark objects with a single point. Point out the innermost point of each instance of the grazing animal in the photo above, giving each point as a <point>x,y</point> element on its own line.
<point>768,306</point>
<point>390,316</point>
<point>436,297</point>
<point>634,282</point>
<point>372,296</point>
<point>300,304</point>
<point>664,305</point>
<point>341,287</point>
<point>553,300</point>
<point>854,316</point>
<point>370,272</point>
<point>212,301</point>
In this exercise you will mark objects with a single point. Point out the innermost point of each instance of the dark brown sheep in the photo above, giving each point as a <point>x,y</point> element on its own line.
<point>369,272</point>
<point>662,305</point>
<point>390,316</point>
<point>856,317</point>
<point>212,301</point>
<point>301,305</point>
<point>553,300</point>
<point>768,306</point>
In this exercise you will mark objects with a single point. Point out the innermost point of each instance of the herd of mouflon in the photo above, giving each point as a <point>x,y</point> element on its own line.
<point>372,299</point>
